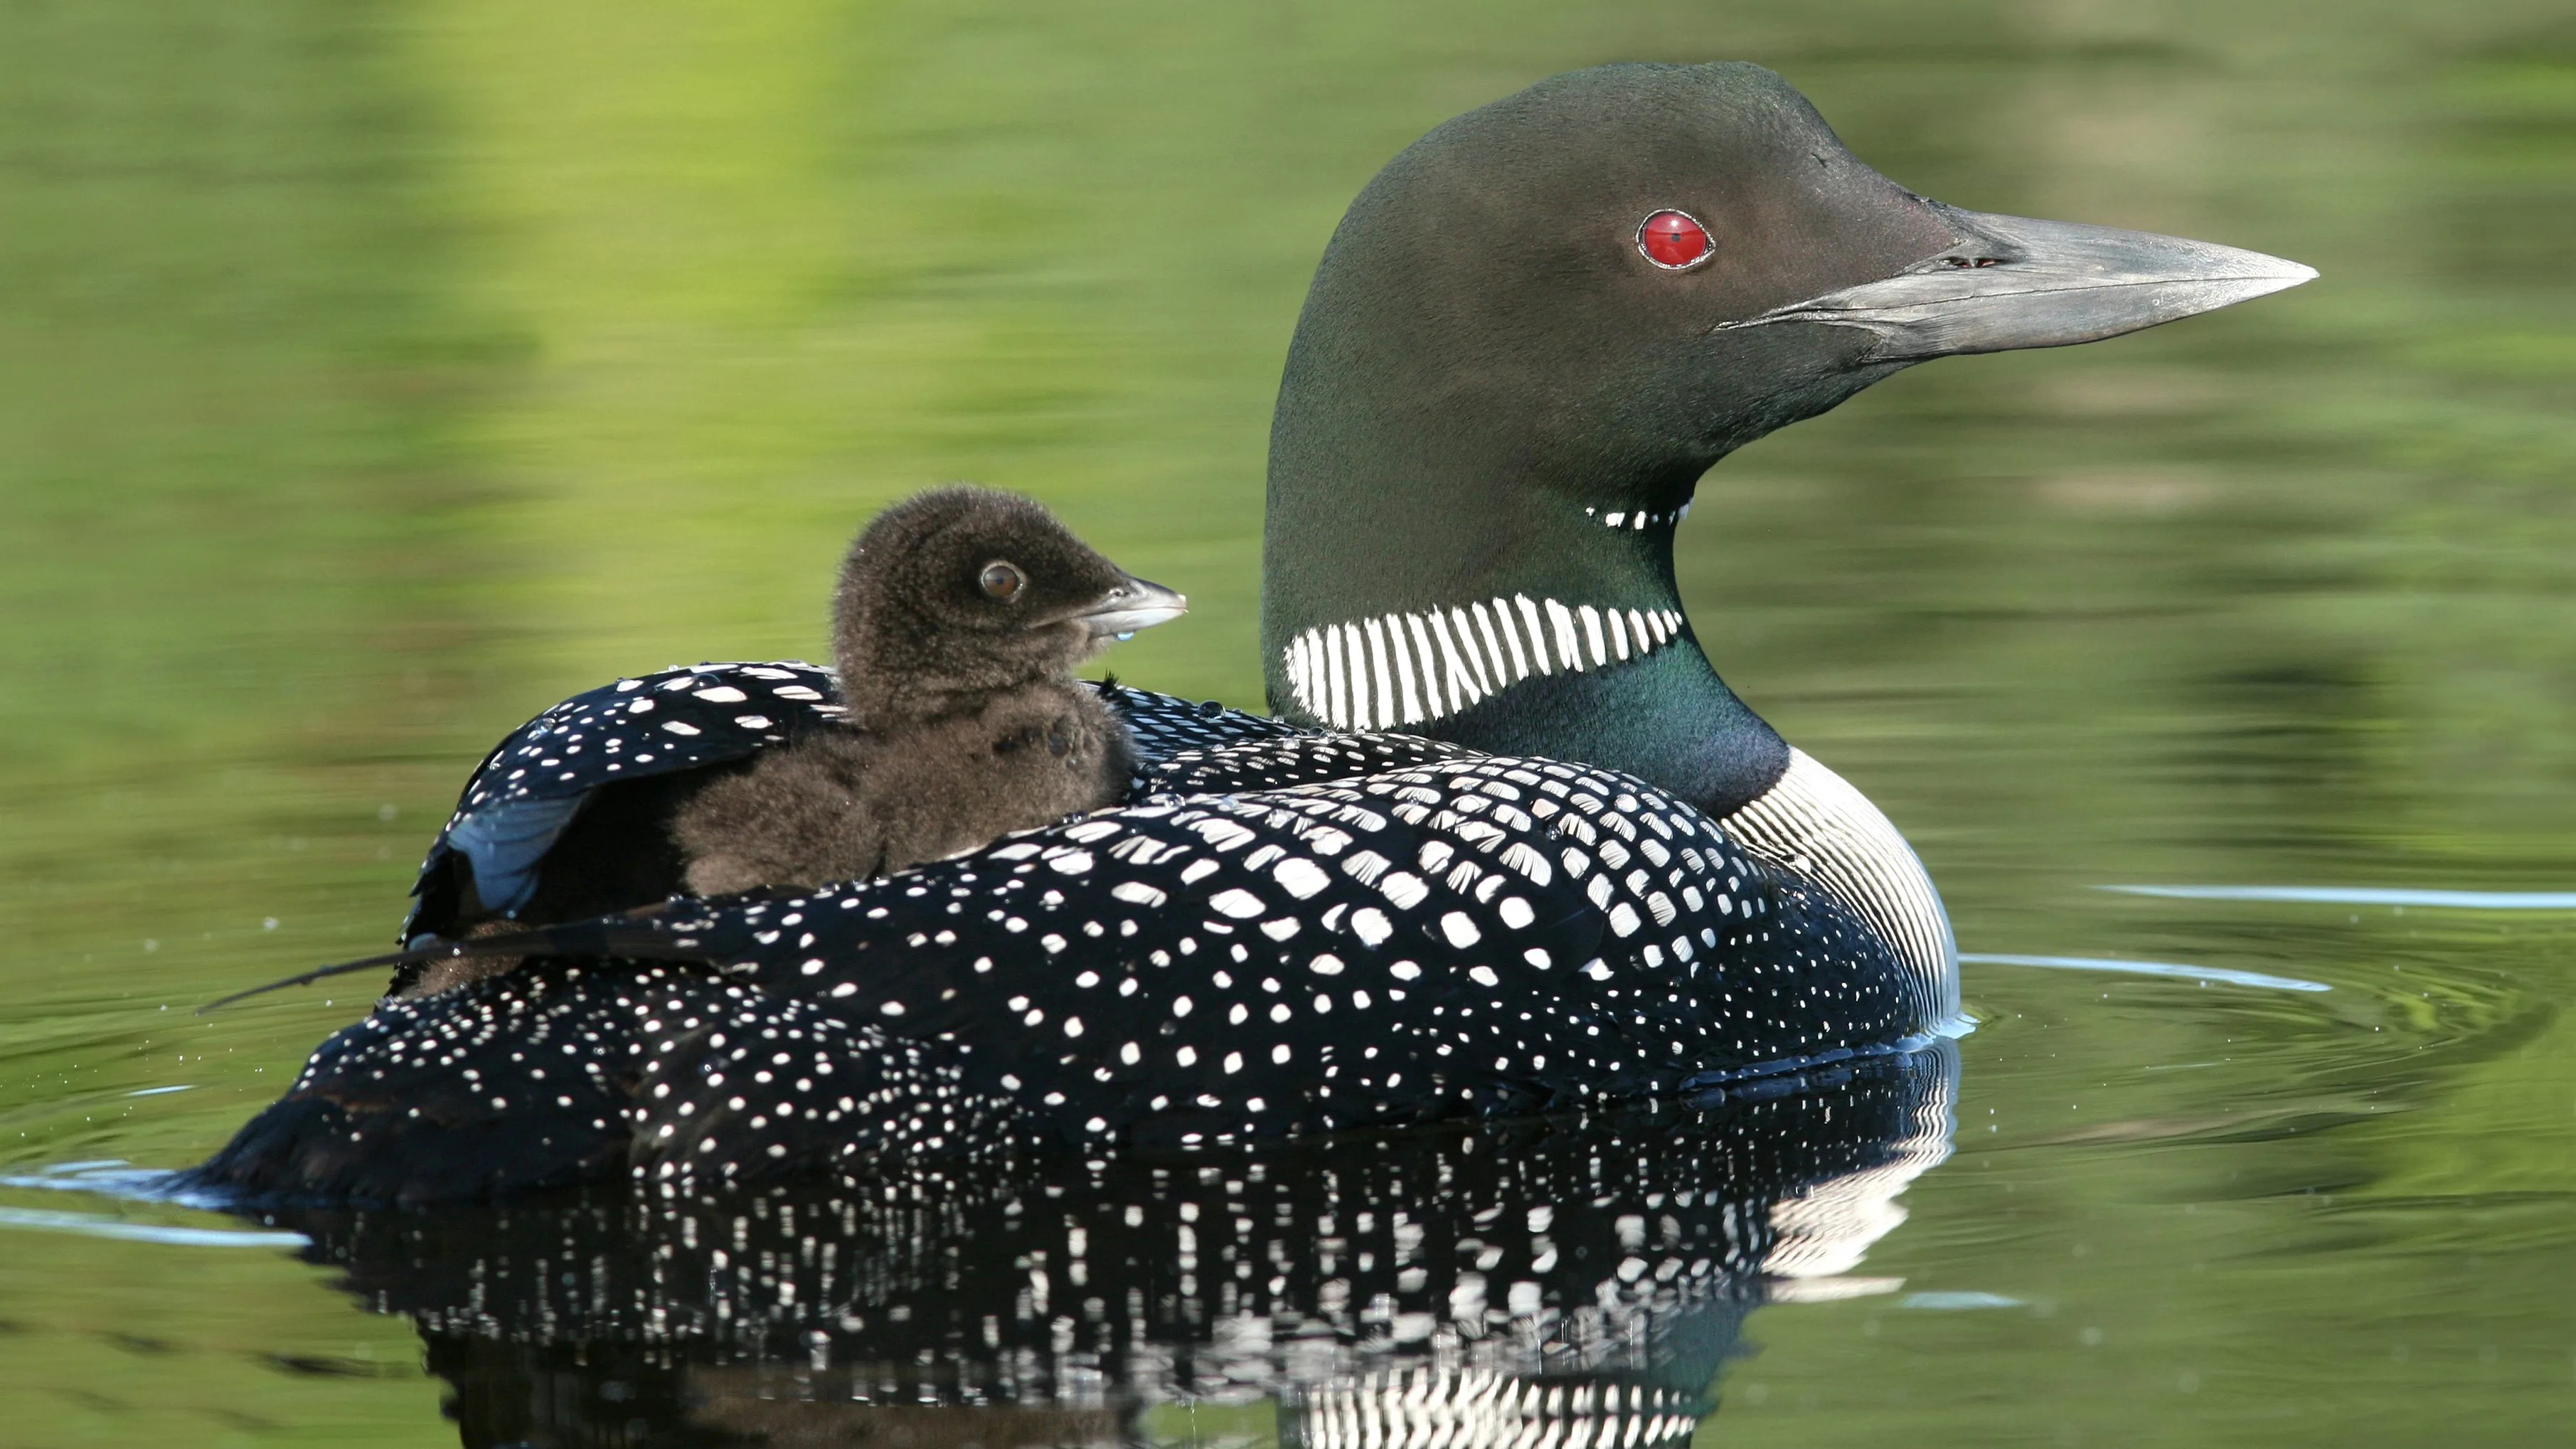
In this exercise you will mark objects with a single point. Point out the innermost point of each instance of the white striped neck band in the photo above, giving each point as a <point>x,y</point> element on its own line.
<point>1398,669</point>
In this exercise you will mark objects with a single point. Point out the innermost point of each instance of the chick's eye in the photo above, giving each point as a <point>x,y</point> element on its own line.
<point>1001,580</point>
<point>1674,240</point>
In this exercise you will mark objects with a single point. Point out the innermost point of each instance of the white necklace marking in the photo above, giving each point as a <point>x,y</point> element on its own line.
<point>1406,668</point>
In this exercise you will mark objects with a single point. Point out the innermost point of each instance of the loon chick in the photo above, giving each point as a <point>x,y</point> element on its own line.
<point>1530,335</point>
<point>960,613</point>
<point>958,621</point>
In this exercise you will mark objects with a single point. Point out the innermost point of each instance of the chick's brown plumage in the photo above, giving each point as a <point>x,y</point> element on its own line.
<point>960,616</point>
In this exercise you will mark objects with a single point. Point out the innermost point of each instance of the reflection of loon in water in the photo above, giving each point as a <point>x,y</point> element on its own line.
<point>1544,1284</point>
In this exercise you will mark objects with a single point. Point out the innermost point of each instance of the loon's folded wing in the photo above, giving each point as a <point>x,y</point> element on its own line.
<point>490,859</point>
<point>493,856</point>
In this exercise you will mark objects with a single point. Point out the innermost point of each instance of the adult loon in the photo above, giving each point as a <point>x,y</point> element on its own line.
<point>1532,333</point>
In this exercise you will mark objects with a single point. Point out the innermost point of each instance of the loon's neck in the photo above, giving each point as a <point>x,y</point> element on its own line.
<point>1499,611</point>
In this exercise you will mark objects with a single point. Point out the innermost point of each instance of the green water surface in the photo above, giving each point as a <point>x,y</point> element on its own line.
<point>374,374</point>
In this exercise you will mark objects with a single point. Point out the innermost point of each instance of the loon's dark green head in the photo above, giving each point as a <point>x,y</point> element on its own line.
<point>1506,384</point>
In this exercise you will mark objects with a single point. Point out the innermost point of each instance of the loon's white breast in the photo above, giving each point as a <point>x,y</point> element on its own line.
<point>1815,824</point>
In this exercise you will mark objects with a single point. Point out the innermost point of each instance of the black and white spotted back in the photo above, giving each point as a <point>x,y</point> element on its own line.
<point>1453,937</point>
<point>1456,938</point>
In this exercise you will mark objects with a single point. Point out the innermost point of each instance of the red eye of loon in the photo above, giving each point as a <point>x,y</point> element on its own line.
<point>1674,240</point>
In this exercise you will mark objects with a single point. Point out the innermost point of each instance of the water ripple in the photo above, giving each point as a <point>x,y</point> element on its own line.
<point>2361,896</point>
<point>1957,1302</point>
<point>89,1225</point>
<point>2149,968</point>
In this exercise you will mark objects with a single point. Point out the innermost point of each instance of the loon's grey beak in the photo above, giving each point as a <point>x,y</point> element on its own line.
<point>2012,282</point>
<point>1131,606</point>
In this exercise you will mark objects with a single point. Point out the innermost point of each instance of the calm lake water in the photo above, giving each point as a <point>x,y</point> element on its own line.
<point>372,376</point>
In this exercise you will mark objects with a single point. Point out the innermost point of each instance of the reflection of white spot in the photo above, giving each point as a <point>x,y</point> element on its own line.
<point>1956,1302</point>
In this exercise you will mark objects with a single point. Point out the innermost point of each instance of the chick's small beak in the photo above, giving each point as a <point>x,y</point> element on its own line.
<point>1131,606</point>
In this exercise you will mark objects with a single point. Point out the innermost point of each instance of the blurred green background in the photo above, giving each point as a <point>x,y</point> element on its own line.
<point>373,374</point>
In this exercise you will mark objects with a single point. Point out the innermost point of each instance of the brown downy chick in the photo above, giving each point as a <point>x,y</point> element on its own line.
<point>959,619</point>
